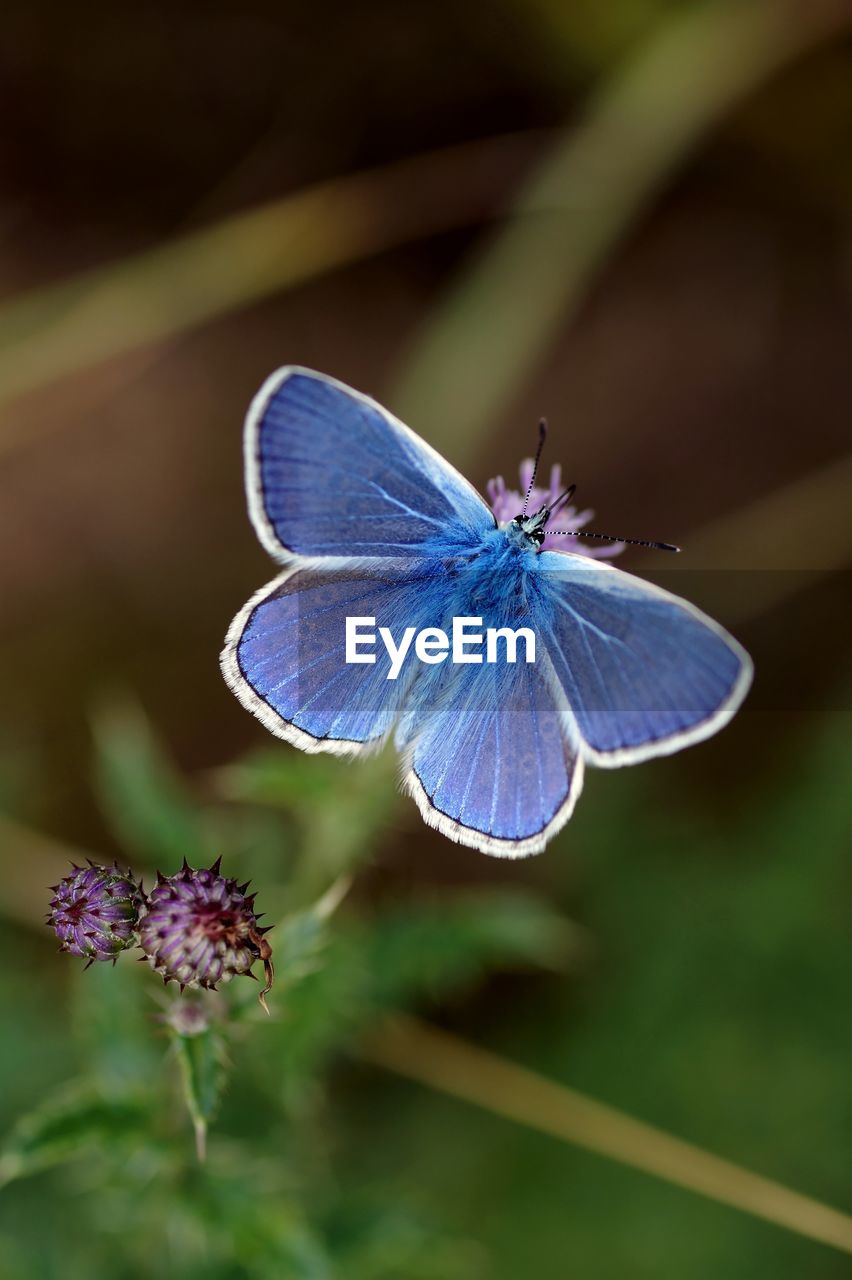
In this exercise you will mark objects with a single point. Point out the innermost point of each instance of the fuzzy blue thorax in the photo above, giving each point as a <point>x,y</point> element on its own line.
<point>495,580</point>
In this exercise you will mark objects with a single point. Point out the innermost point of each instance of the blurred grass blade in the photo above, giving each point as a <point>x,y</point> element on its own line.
<point>479,347</point>
<point>202,1062</point>
<point>66,1126</point>
<point>449,1064</point>
<point>215,269</point>
<point>777,531</point>
<point>140,792</point>
<point>32,861</point>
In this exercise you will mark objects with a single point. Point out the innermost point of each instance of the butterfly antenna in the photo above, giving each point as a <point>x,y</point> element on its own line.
<point>563,499</point>
<point>609,537</point>
<point>542,434</point>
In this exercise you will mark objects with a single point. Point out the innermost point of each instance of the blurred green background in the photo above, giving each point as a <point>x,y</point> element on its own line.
<point>632,217</point>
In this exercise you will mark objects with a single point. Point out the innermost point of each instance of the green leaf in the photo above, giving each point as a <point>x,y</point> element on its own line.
<point>111,1018</point>
<point>299,950</point>
<point>202,1063</point>
<point>140,792</point>
<point>300,939</point>
<point>316,1018</point>
<point>244,1211</point>
<point>284,1245</point>
<point>69,1125</point>
<point>431,948</point>
<point>340,811</point>
<point>321,993</point>
<point>375,1237</point>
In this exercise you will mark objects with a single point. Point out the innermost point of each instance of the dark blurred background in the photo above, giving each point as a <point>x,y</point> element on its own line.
<point>695,372</point>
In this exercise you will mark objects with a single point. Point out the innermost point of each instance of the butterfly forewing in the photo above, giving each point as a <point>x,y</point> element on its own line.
<point>331,473</point>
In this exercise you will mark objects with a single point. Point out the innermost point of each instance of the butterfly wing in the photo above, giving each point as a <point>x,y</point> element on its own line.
<point>285,655</point>
<point>493,762</point>
<point>368,520</point>
<point>644,672</point>
<point>330,473</point>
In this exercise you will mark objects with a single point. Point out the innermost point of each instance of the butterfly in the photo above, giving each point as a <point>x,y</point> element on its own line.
<point>370,524</point>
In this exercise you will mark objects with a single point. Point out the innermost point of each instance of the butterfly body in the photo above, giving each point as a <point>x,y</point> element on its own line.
<point>494,750</point>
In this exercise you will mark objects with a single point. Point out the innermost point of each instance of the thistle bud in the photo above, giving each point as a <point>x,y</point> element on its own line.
<point>200,929</point>
<point>94,912</point>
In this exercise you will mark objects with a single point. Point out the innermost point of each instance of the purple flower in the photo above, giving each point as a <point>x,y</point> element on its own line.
<point>200,929</point>
<point>95,911</point>
<point>506,504</point>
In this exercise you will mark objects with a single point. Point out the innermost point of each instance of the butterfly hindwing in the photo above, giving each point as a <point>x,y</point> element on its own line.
<point>329,472</point>
<point>643,672</point>
<point>494,763</point>
<point>285,656</point>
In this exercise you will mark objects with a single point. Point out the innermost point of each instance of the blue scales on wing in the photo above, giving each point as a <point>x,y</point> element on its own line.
<point>492,762</point>
<point>286,656</point>
<point>644,672</point>
<point>331,473</point>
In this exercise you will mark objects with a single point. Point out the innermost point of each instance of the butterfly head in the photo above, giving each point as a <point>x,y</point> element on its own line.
<point>527,530</point>
<point>531,531</point>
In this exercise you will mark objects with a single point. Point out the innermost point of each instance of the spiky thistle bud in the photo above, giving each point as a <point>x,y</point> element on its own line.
<point>200,929</point>
<point>95,910</point>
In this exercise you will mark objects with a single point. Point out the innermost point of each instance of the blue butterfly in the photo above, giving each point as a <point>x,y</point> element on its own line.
<point>371,524</point>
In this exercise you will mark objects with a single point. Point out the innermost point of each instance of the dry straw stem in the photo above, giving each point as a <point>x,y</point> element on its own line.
<point>216,269</point>
<point>444,1062</point>
<point>647,117</point>
<point>480,346</point>
<point>774,537</point>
